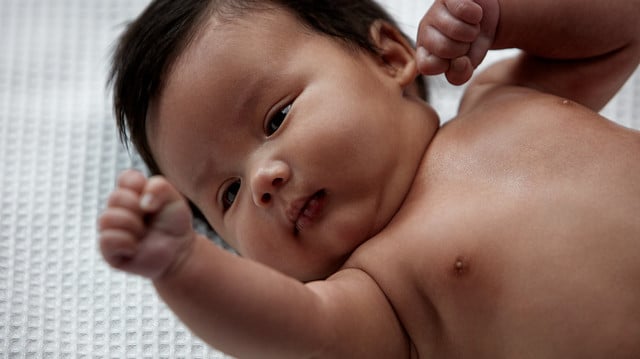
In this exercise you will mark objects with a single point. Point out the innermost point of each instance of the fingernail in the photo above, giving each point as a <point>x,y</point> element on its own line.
<point>146,202</point>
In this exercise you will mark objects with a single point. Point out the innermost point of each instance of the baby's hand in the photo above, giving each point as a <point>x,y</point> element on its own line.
<point>146,228</point>
<point>454,37</point>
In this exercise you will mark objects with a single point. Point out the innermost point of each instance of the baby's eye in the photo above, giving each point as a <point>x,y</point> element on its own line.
<point>229,195</point>
<point>276,120</point>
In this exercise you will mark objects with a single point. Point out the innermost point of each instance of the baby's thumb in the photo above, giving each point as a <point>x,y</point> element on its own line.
<point>166,209</point>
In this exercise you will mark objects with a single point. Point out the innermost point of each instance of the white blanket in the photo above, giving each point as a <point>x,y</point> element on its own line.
<point>59,156</point>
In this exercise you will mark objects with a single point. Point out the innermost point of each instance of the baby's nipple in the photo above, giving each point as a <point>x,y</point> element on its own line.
<point>461,266</point>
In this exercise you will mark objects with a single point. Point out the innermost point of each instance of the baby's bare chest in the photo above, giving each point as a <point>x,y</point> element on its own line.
<point>500,285</point>
<point>530,252</point>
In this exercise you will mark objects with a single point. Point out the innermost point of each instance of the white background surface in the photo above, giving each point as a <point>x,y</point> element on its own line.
<point>59,157</point>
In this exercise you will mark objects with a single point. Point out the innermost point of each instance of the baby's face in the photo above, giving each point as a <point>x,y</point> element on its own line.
<point>295,149</point>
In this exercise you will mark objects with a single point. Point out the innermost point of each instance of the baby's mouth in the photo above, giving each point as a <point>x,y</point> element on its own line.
<point>310,210</point>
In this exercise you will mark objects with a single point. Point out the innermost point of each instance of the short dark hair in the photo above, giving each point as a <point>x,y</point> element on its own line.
<point>152,43</point>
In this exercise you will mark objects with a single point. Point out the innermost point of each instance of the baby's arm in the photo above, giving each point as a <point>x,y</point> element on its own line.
<point>580,49</point>
<point>234,304</point>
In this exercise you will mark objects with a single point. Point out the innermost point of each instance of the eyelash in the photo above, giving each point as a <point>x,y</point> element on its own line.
<point>232,190</point>
<point>278,118</point>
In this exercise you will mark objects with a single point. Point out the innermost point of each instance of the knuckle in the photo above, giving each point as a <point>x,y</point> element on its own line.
<point>430,64</point>
<point>130,178</point>
<point>124,199</point>
<point>440,44</point>
<point>116,198</point>
<point>467,10</point>
<point>433,15</point>
<point>158,184</point>
<point>122,220</point>
<point>163,190</point>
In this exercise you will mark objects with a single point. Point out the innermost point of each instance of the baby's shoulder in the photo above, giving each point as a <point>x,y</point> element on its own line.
<point>507,102</point>
<point>514,113</point>
<point>523,131</point>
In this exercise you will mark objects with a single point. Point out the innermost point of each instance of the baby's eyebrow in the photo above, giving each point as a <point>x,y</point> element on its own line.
<point>255,88</point>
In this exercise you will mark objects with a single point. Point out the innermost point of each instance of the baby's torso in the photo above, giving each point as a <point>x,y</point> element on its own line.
<point>520,237</point>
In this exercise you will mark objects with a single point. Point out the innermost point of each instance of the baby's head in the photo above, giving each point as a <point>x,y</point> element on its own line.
<point>151,44</point>
<point>296,127</point>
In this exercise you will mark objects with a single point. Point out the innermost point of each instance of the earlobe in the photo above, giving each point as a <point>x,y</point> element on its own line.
<point>395,52</point>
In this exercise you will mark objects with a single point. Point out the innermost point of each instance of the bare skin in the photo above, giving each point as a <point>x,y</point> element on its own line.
<point>518,236</point>
<point>532,260</point>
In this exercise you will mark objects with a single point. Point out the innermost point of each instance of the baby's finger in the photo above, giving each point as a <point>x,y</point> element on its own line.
<point>123,220</point>
<point>118,247</point>
<point>157,193</point>
<point>488,28</point>
<point>479,50</point>
<point>442,46</point>
<point>455,28</point>
<point>465,10</point>
<point>460,71</point>
<point>429,64</point>
<point>125,198</point>
<point>170,211</point>
<point>132,180</point>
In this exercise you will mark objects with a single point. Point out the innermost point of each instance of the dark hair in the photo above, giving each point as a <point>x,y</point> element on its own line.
<point>152,43</point>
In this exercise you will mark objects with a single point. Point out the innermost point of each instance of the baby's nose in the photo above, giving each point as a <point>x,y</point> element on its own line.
<point>267,179</point>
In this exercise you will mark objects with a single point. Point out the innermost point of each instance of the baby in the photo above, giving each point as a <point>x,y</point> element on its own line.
<point>364,228</point>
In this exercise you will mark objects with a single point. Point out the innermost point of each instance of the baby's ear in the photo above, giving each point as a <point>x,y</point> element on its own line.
<point>395,51</point>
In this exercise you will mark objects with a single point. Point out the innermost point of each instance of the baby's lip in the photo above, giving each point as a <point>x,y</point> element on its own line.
<point>304,211</point>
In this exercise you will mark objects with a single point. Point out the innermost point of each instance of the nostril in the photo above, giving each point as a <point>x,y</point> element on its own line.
<point>266,198</point>
<point>277,181</point>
